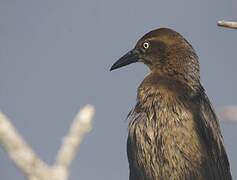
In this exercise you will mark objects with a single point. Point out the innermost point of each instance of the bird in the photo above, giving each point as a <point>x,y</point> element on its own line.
<point>173,131</point>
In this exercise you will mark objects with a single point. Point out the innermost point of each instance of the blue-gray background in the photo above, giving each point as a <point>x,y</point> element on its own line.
<point>55,57</point>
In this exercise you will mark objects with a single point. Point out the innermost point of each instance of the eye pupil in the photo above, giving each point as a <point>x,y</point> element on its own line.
<point>146,45</point>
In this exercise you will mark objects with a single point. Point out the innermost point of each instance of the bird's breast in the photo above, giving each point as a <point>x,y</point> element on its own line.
<point>163,136</point>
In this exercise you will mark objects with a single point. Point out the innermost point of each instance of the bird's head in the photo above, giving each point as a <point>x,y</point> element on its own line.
<point>166,52</point>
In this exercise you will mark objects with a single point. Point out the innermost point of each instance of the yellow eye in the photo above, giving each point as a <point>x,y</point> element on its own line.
<point>146,45</point>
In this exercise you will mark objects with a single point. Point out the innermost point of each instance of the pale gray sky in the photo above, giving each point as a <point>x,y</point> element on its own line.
<point>55,57</point>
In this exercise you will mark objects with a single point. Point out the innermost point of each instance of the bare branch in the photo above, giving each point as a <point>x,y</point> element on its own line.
<point>227,24</point>
<point>30,164</point>
<point>228,113</point>
<point>81,125</point>
<point>18,150</point>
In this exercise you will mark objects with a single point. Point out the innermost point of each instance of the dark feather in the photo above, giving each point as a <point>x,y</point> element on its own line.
<point>176,138</point>
<point>174,133</point>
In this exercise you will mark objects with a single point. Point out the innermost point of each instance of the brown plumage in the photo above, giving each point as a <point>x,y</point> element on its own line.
<point>174,133</point>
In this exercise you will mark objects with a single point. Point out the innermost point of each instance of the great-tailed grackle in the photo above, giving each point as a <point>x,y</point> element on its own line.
<point>174,133</point>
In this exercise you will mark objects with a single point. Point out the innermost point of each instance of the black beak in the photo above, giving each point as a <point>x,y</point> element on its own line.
<point>129,58</point>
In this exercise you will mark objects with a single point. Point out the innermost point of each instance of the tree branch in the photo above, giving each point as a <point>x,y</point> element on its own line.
<point>79,128</point>
<point>30,164</point>
<point>228,113</point>
<point>227,24</point>
<point>19,151</point>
